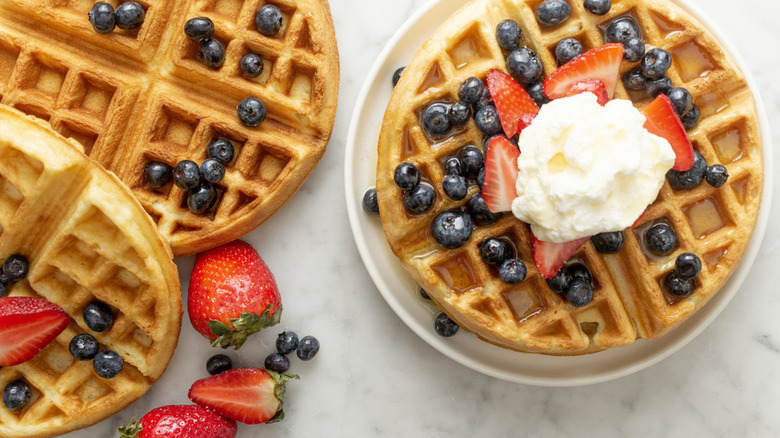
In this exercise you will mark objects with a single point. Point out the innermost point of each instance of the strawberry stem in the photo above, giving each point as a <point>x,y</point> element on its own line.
<point>131,430</point>
<point>243,327</point>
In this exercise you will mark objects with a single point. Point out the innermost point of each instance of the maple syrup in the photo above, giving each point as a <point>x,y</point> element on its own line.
<point>727,145</point>
<point>705,217</point>
<point>692,62</point>
<point>457,274</point>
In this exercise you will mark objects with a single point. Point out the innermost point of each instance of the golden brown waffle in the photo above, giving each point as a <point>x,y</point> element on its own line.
<point>132,97</point>
<point>628,303</point>
<point>87,238</point>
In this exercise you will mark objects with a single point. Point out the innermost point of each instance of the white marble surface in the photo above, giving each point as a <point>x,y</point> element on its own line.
<point>375,377</point>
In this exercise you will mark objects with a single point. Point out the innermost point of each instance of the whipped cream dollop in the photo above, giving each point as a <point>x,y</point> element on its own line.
<point>585,169</point>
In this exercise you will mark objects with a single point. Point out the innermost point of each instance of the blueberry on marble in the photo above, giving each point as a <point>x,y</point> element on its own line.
<point>470,90</point>
<point>660,239</point>
<point>98,316</point>
<point>621,30</point>
<point>524,65</point>
<point>634,80</point>
<point>420,199</point>
<point>598,7</point>
<point>219,363</point>
<point>655,63</point>
<point>455,187</point>
<point>277,362</point>
<point>307,348</point>
<point>251,65</point>
<point>471,160</point>
<point>211,53</point>
<point>199,28</point>
<point>687,265</point>
<point>552,12</point>
<point>16,267</point>
<point>436,119</point>
<point>157,174</point>
<point>269,20</point>
<point>107,364</point>
<point>682,101</point>
<point>16,395</point>
<point>508,35</point>
<point>444,326</point>
<point>452,229</point>
<point>186,174</point>
<point>579,293</point>
<point>495,251</point>
<point>251,111</point>
<point>480,212</point>
<point>221,149</point>
<point>655,87</point>
<point>286,342</point>
<point>406,176</point>
<point>512,271</point>
<point>678,286</point>
<point>101,17</point>
<point>716,175</point>
<point>567,49</point>
<point>460,113</point>
<point>129,15</point>
<point>634,49</point>
<point>608,243</point>
<point>370,202</point>
<point>201,198</point>
<point>691,178</point>
<point>487,120</point>
<point>83,346</point>
<point>397,75</point>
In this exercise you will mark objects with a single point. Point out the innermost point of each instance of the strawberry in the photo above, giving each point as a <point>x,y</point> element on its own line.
<point>595,86</point>
<point>525,121</point>
<point>511,99</point>
<point>663,121</point>
<point>232,294</point>
<point>599,63</point>
<point>27,325</point>
<point>248,395</point>
<point>549,257</point>
<point>499,191</point>
<point>180,421</point>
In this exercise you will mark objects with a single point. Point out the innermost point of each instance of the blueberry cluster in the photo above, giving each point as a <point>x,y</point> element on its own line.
<point>439,118</point>
<point>104,18</point>
<point>417,197</point>
<point>500,254</point>
<point>98,317</point>
<point>14,269</point>
<point>211,52</point>
<point>681,282</point>
<point>286,343</point>
<point>523,64</point>
<point>575,282</point>
<point>715,175</point>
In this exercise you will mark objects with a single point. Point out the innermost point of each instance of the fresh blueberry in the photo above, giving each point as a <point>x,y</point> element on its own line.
<point>567,49</point>
<point>494,251</point>
<point>598,7</point>
<point>455,187</point>
<point>199,28</point>
<point>218,364</point>
<point>397,75</point>
<point>634,49</point>
<point>621,30</point>
<point>186,174</point>
<point>552,12</point>
<point>157,174</point>
<point>471,160</point>
<point>460,113</point>
<point>444,326</point>
<point>16,267</point>
<point>251,111</point>
<point>536,91</point>
<point>452,166</point>
<point>211,53</point>
<point>485,99</point>
<point>269,20</point>
<point>660,239</point>
<point>436,119</point>
<point>212,170</point>
<point>201,198</point>
<point>129,15</point>
<point>370,202</point>
<point>580,272</point>
<point>420,199</point>
<point>480,212</point>
<point>561,281</point>
<point>678,286</point>
<point>481,178</point>
<point>655,63</point>
<point>424,294</point>
<point>508,35</point>
<point>579,293</point>
<point>716,176</point>
<point>406,176</point>
<point>512,271</point>
<point>687,265</point>
<point>286,342</point>
<point>681,100</point>
<point>16,395</point>
<point>487,121</point>
<point>98,316</point>
<point>655,87</point>
<point>634,80</point>
<point>277,362</point>
<point>107,364</point>
<point>608,243</point>
<point>470,90</point>
<point>452,229</point>
<point>221,149</point>
<point>307,348</point>
<point>691,118</point>
<point>690,178</point>
<point>524,65</point>
<point>101,16</point>
<point>3,288</point>
<point>83,346</point>
<point>251,65</point>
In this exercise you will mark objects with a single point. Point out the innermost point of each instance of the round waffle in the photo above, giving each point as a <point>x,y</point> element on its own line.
<point>136,96</point>
<point>87,238</point>
<point>629,301</point>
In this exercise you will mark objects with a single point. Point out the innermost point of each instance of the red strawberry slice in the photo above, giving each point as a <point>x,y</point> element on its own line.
<point>595,86</point>
<point>663,121</point>
<point>511,99</point>
<point>499,191</point>
<point>600,63</point>
<point>524,121</point>
<point>27,325</point>
<point>180,421</point>
<point>549,257</point>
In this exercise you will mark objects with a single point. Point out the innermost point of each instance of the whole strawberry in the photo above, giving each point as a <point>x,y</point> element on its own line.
<point>180,421</point>
<point>232,294</point>
<point>27,325</point>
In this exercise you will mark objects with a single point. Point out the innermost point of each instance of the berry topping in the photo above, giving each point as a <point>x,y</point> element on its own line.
<point>524,65</point>
<point>211,53</point>
<point>552,12</point>
<point>663,121</point>
<point>16,395</point>
<point>98,316</point>
<point>580,272</point>
<point>201,198</point>
<point>660,239</point>
<point>656,87</point>
<point>536,91</point>
<point>494,251</point>
<point>307,348</point>
<point>716,175</point>
<point>594,86</point>
<point>277,362</point>
<point>480,212</point>
<point>682,101</point>
<point>452,229</point>
<point>455,187</point>
<point>180,421</point>
<point>27,325</point>
<point>634,80</point>
<point>485,99</point>
<point>599,63</point>
<point>129,15</point>
<point>107,364</point>
<point>436,119</point>
<point>470,91</point>
<point>621,30</point>
<point>15,267</point>
<point>286,342</point>
<point>634,49</point>
<point>512,271</point>
<point>690,178</point>
<point>83,346</point>
<point>406,176</point>
<point>481,178</point>
<point>487,120</point>
<point>212,170</point>
<point>691,118</point>
<point>508,35</point>
<point>199,28</point>
<point>608,243</point>
<point>678,286</point>
<point>655,63</point>
<point>3,287</point>
<point>251,111</point>
<point>397,75</point>
<point>424,295</point>
<point>687,265</point>
<point>370,202</point>
<point>567,49</point>
<point>579,293</point>
<point>186,174</point>
<point>420,199</point>
<point>560,282</point>
<point>471,160</point>
<point>157,174</point>
<point>101,17</point>
<point>251,65</point>
<point>549,257</point>
<point>459,113</point>
<point>511,99</point>
<point>598,7</point>
<point>219,363</point>
<point>221,149</point>
<point>499,189</point>
<point>444,326</point>
<point>452,166</point>
<point>269,20</point>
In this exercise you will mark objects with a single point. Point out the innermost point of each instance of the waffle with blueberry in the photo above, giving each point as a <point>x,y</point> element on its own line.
<point>213,113</point>
<point>79,240</point>
<point>485,269</point>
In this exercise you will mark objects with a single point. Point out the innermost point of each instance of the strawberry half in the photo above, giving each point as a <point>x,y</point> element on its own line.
<point>511,99</point>
<point>247,395</point>
<point>595,86</point>
<point>549,257</point>
<point>499,190</point>
<point>27,325</point>
<point>525,121</point>
<point>600,63</point>
<point>180,421</point>
<point>663,121</point>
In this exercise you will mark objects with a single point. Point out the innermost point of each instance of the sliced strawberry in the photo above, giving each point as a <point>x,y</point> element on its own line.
<point>639,219</point>
<point>600,63</point>
<point>663,121</point>
<point>524,121</point>
<point>27,325</point>
<point>595,86</point>
<point>499,190</point>
<point>511,99</point>
<point>549,257</point>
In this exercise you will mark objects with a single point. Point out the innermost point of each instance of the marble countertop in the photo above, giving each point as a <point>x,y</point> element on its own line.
<point>375,377</point>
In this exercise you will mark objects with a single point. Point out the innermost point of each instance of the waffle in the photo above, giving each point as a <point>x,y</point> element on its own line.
<point>629,302</point>
<point>86,238</point>
<point>132,97</point>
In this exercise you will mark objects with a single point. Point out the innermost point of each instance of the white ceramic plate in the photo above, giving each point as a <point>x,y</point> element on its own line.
<point>401,292</point>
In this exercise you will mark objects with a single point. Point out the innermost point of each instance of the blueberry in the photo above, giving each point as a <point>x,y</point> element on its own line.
<point>598,7</point>
<point>286,342</point>
<point>3,288</point>
<point>608,243</point>
<point>536,91</point>
<point>452,166</point>
<point>691,118</point>
<point>580,272</point>
<point>681,100</point>
<point>455,187</point>
<point>16,395</point>
<point>452,229</point>
<point>107,364</point>
<point>98,316</point>
<point>370,202</point>
<point>129,15</point>
<point>424,295</point>
<point>487,121</point>
<point>251,111</point>
<point>660,239</point>
<point>472,160</point>
<point>218,364</point>
<point>470,91</point>
<point>508,35</point>
<point>654,87</point>
<point>678,286</point>
<point>221,149</point>
<point>552,12</point>
<point>269,20</point>
<point>186,174</point>
<point>83,346</point>
<point>567,49</point>
<point>444,326</point>
<point>579,293</point>
<point>406,176</point>
<point>512,271</point>
<point>16,267</point>
<point>561,281</point>
<point>634,80</point>
<point>420,199</point>
<point>101,16</point>
<point>687,265</point>
<point>397,75</point>
<point>251,65</point>
<point>621,30</point>
<point>655,63</point>
<point>436,119</point>
<point>460,113</point>
<point>199,28</point>
<point>211,53</point>
<point>524,65</point>
<point>277,362</point>
<point>201,198</point>
<point>307,348</point>
<point>494,251</point>
<point>716,176</point>
<point>157,174</point>
<point>690,178</point>
<point>480,212</point>
<point>481,178</point>
<point>634,49</point>
<point>212,170</point>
